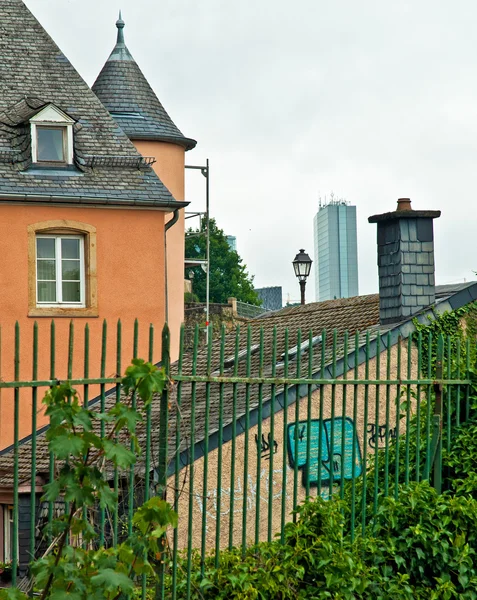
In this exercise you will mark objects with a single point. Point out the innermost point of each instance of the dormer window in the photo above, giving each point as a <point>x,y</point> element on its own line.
<point>52,137</point>
<point>50,144</point>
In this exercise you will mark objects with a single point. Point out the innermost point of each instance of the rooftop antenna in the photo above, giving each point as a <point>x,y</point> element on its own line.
<point>120,25</point>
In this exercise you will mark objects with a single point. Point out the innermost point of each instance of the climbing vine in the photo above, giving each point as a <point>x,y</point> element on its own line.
<point>459,334</point>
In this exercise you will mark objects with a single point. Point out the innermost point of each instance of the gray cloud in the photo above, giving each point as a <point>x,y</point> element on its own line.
<point>371,99</point>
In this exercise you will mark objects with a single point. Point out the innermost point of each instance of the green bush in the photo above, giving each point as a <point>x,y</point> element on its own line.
<point>423,546</point>
<point>460,464</point>
<point>426,542</point>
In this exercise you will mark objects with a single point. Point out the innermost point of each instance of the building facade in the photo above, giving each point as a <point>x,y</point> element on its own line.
<point>232,242</point>
<point>91,207</point>
<point>271,297</point>
<point>336,251</point>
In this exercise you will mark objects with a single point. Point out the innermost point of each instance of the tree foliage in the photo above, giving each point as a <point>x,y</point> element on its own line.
<point>228,275</point>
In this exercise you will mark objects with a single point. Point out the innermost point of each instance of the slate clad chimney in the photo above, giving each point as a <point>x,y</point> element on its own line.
<point>405,261</point>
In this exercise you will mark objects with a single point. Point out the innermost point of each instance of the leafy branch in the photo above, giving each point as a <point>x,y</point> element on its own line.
<point>85,461</point>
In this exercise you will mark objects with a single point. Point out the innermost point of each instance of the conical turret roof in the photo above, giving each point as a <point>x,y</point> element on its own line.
<point>126,93</point>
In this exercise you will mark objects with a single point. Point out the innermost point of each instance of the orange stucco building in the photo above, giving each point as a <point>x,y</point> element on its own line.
<point>91,210</point>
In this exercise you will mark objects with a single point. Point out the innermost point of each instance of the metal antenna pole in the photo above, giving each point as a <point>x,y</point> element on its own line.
<point>207,218</point>
<point>205,172</point>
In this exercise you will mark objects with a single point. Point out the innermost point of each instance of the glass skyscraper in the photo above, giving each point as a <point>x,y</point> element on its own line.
<point>232,242</point>
<point>336,251</point>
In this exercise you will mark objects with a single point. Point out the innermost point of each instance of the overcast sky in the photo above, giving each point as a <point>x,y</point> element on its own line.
<point>289,100</point>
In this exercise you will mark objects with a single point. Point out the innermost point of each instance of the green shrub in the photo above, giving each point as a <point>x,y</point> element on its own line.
<point>460,465</point>
<point>423,545</point>
<point>427,540</point>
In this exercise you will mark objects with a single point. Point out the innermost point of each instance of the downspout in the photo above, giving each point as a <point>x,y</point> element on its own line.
<point>168,225</point>
<point>174,219</point>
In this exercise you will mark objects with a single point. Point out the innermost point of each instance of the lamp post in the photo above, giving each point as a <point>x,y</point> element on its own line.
<point>302,267</point>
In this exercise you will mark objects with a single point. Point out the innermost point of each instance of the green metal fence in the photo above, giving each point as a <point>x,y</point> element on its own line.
<point>257,422</point>
<point>250,311</point>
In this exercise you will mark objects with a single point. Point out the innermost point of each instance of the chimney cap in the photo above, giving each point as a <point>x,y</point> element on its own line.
<point>405,211</point>
<point>404,204</point>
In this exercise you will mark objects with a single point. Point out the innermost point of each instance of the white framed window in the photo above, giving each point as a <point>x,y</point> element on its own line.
<point>51,144</point>
<point>60,271</point>
<point>52,137</point>
<point>54,288</point>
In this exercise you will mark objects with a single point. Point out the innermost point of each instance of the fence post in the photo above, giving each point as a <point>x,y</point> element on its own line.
<point>437,420</point>
<point>163,451</point>
<point>233,303</point>
<point>16,482</point>
<point>164,415</point>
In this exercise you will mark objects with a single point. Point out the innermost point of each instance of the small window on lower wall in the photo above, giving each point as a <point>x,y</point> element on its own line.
<point>62,269</point>
<point>7,533</point>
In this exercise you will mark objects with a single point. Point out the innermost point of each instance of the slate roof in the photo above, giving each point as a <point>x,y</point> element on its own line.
<point>34,73</point>
<point>359,314</point>
<point>123,89</point>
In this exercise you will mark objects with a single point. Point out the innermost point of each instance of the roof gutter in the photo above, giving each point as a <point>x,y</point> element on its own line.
<point>187,143</point>
<point>168,225</point>
<point>169,205</point>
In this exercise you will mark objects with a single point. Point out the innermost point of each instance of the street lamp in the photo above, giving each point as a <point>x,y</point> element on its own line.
<point>302,266</point>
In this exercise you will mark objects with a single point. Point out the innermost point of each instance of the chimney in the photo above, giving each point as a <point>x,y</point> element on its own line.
<point>405,261</point>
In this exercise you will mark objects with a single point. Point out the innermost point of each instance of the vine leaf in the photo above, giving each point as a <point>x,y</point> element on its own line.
<point>110,580</point>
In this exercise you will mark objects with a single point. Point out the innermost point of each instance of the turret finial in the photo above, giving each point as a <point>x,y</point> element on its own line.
<point>120,25</point>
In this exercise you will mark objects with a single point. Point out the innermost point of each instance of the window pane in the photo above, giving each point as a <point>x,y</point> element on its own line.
<point>71,292</point>
<point>46,291</point>
<point>50,144</point>
<point>46,270</point>
<point>45,247</point>
<point>70,248</point>
<point>70,270</point>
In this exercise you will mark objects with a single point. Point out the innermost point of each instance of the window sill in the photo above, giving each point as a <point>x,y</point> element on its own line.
<point>58,312</point>
<point>60,170</point>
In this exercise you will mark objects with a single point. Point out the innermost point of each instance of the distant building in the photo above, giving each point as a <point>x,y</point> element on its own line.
<point>336,251</point>
<point>271,297</point>
<point>232,242</point>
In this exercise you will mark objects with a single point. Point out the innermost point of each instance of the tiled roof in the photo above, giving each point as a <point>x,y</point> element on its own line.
<point>353,314</point>
<point>123,89</point>
<point>35,73</point>
<point>359,314</point>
